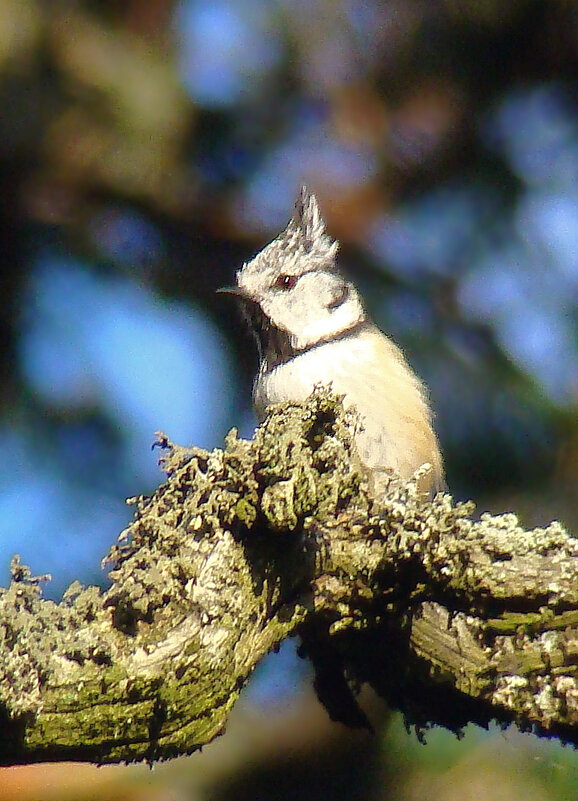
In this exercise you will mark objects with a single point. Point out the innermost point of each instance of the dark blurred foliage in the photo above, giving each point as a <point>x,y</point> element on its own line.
<point>148,147</point>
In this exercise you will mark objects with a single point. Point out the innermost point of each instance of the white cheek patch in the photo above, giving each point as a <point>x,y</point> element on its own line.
<point>331,324</point>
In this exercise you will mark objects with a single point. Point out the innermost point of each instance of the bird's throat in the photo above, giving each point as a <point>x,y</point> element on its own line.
<point>274,345</point>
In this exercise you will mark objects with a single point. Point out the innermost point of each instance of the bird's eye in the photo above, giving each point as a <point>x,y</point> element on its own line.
<point>284,281</point>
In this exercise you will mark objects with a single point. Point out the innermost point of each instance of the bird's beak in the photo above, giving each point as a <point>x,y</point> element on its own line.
<point>237,291</point>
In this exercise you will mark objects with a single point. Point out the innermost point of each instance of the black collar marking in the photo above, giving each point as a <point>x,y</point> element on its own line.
<point>278,349</point>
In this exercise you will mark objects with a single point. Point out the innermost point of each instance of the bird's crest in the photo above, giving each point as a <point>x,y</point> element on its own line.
<point>306,231</point>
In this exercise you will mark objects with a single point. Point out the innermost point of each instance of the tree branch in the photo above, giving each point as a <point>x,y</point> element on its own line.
<point>449,618</point>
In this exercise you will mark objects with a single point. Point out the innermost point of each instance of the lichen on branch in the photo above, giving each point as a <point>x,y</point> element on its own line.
<point>449,618</point>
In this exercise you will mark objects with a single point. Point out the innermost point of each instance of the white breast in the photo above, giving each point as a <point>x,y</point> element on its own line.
<point>375,378</point>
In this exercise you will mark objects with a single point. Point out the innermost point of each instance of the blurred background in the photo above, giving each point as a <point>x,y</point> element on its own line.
<point>147,148</point>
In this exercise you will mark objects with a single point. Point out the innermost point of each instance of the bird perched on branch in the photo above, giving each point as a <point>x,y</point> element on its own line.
<point>311,328</point>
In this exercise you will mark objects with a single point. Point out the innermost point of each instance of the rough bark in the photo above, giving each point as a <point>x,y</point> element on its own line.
<point>449,618</point>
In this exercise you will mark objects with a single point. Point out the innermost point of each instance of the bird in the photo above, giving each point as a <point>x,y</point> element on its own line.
<point>312,329</point>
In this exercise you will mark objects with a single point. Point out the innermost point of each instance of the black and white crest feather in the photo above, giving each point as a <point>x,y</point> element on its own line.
<point>304,236</point>
<point>308,219</point>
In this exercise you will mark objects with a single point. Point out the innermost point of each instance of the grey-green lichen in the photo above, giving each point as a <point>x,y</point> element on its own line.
<point>246,545</point>
<point>35,633</point>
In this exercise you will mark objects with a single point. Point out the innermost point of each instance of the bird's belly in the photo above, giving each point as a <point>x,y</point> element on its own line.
<point>348,367</point>
<point>331,363</point>
<point>396,432</point>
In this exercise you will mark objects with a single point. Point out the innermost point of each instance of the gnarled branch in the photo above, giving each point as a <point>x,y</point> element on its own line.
<point>449,618</point>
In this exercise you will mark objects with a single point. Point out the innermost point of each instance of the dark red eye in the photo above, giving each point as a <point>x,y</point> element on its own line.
<point>285,281</point>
